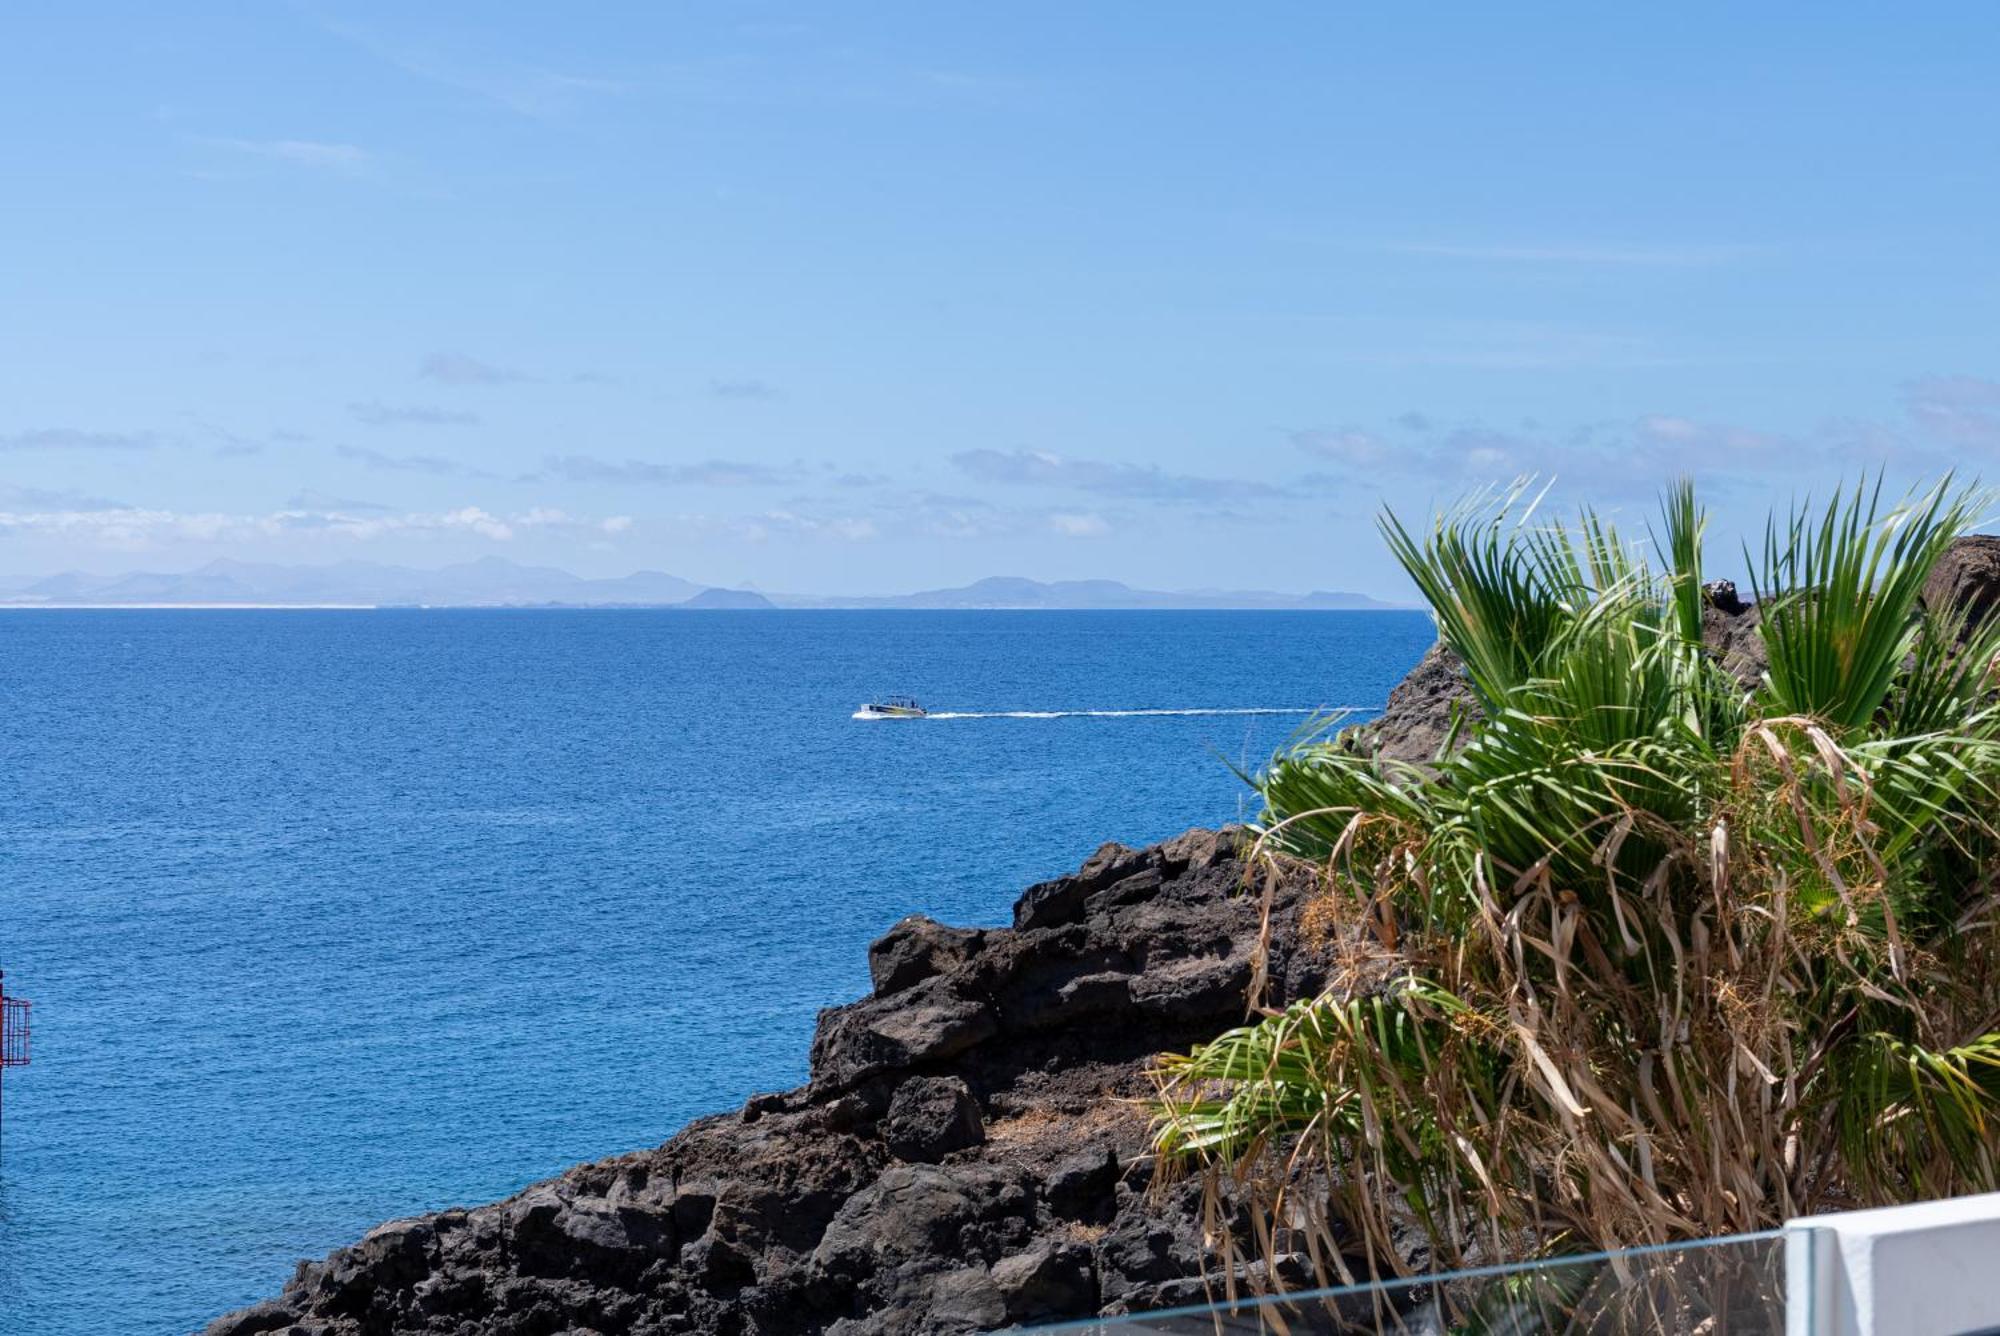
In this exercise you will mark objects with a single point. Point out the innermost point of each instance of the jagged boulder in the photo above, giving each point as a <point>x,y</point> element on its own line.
<point>930,1117</point>
<point>1729,627</point>
<point>1966,579</point>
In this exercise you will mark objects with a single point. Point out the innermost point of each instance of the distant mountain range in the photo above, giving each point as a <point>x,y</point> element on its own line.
<point>488,582</point>
<point>1010,591</point>
<point>496,582</point>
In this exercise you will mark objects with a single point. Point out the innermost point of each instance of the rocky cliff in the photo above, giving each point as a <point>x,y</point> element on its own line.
<point>970,1152</point>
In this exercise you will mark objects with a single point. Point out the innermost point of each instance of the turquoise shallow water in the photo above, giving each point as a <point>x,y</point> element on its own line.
<point>334,917</point>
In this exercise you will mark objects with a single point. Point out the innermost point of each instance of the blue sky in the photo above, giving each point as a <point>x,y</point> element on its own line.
<point>873,297</point>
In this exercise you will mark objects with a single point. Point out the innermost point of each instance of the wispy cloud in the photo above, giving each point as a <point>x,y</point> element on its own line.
<point>458,369</point>
<point>313,153</point>
<point>525,89</point>
<point>706,473</point>
<point>1039,468</point>
<point>757,390</point>
<point>436,465</point>
<point>47,498</point>
<point>1078,524</point>
<point>1350,446</point>
<point>1946,420</point>
<point>77,438</point>
<point>229,444</point>
<point>789,523</point>
<point>1964,410</point>
<point>375,414</point>
<point>128,527</point>
<point>313,500</point>
<point>905,516</point>
<point>1649,256</point>
<point>1616,458</point>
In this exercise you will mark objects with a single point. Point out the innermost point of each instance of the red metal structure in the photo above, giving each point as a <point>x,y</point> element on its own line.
<point>13,1029</point>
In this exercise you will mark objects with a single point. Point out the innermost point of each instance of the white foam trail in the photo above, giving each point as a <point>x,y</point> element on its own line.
<point>1122,714</point>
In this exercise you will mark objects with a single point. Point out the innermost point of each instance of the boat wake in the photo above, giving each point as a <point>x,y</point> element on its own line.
<point>1122,714</point>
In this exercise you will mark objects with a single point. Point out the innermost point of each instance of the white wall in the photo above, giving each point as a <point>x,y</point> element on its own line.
<point>1929,1269</point>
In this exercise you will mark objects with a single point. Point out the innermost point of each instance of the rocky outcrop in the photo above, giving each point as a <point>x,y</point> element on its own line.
<point>970,1151</point>
<point>1436,697</point>
<point>968,1154</point>
<point>1730,629</point>
<point>1421,712</point>
<point>1966,579</point>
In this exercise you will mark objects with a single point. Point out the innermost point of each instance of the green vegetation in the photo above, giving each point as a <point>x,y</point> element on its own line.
<point>1653,957</point>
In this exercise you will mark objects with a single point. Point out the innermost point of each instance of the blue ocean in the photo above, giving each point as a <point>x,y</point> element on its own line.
<point>332,917</point>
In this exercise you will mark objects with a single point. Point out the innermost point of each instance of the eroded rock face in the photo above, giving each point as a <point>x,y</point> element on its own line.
<point>1421,711</point>
<point>967,1155</point>
<point>1729,627</point>
<point>1967,579</point>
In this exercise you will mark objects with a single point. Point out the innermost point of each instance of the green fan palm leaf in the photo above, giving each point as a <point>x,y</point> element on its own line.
<point>1651,956</point>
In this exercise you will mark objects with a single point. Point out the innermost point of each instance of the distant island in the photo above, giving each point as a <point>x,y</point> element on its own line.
<point>494,582</point>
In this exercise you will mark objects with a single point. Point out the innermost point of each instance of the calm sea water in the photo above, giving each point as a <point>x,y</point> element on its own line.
<point>334,917</point>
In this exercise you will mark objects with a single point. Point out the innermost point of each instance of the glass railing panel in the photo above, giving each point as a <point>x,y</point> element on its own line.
<point>1732,1285</point>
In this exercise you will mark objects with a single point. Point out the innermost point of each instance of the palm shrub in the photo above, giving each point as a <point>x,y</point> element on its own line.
<point>1653,957</point>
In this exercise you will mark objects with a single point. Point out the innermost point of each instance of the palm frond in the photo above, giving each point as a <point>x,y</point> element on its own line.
<point>1686,524</point>
<point>1915,1119</point>
<point>1649,957</point>
<point>1840,596</point>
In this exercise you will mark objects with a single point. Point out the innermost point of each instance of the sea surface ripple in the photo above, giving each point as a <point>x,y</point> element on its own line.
<point>331,917</point>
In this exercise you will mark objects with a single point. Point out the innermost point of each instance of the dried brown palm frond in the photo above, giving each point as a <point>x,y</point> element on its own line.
<point>1646,962</point>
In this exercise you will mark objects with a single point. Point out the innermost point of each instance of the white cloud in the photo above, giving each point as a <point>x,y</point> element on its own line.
<point>77,438</point>
<point>1074,525</point>
<point>788,523</point>
<point>458,369</point>
<point>131,527</point>
<point>376,414</point>
<point>528,90</point>
<point>1964,410</point>
<point>437,465</point>
<point>1107,478</point>
<point>303,152</point>
<point>1345,445</point>
<point>704,473</point>
<point>1666,256</point>
<point>1609,458</point>
<point>761,390</point>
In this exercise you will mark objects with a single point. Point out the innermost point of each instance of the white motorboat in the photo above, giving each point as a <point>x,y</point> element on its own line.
<point>894,707</point>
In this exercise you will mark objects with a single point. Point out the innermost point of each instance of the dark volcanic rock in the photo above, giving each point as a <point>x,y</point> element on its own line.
<point>1736,641</point>
<point>1421,711</point>
<point>1966,579</point>
<point>914,950</point>
<point>1721,596</point>
<point>970,1153</point>
<point>930,1117</point>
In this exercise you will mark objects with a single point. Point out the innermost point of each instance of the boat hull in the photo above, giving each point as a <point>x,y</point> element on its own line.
<point>888,712</point>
